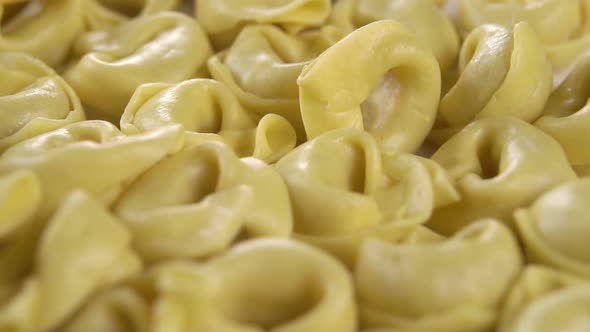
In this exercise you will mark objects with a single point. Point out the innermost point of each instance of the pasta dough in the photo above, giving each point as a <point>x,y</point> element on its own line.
<point>498,164</point>
<point>33,99</point>
<point>437,284</point>
<point>104,14</point>
<point>211,199</point>
<point>555,228</point>
<point>357,192</point>
<point>164,47</point>
<point>392,96</point>
<point>517,79</point>
<point>207,110</point>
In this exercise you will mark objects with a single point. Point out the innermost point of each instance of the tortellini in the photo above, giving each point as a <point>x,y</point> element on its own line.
<point>393,95</point>
<point>33,99</point>
<point>229,293</point>
<point>546,300</point>
<point>563,26</point>
<point>82,250</point>
<point>357,192</point>
<point>223,19</point>
<point>453,284</point>
<point>45,29</point>
<point>164,47</point>
<point>102,14</point>
<point>439,34</point>
<point>566,116</point>
<point>498,164</point>
<point>207,110</point>
<point>556,227</point>
<point>197,202</point>
<point>518,79</point>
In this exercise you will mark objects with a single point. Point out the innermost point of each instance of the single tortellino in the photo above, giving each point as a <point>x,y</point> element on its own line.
<point>423,17</point>
<point>453,284</point>
<point>33,99</point>
<point>566,116</point>
<point>224,19</point>
<point>261,285</point>
<point>83,249</point>
<point>556,227</point>
<point>563,26</point>
<point>93,156</point>
<point>502,71</point>
<point>546,300</point>
<point>378,78</point>
<point>207,110</point>
<point>103,14</point>
<point>343,190</point>
<point>110,64</point>
<point>45,29</point>
<point>201,200</point>
<point>498,164</point>
<point>262,66</point>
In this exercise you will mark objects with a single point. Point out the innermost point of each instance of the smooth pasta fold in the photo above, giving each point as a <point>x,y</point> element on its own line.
<point>498,164</point>
<point>110,64</point>
<point>33,99</point>
<point>393,95</point>
<point>356,192</point>
<point>104,14</point>
<point>201,200</point>
<point>453,284</point>
<point>208,110</point>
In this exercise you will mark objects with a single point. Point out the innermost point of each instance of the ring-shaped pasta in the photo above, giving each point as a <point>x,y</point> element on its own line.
<point>555,227</point>
<point>498,164</point>
<point>436,284</point>
<point>378,78</point>
<point>501,72</point>
<point>109,65</point>
<point>104,14</point>
<point>44,29</point>
<point>62,277</point>
<point>33,99</point>
<point>212,199</point>
<point>224,19</point>
<point>207,110</point>
<point>357,192</point>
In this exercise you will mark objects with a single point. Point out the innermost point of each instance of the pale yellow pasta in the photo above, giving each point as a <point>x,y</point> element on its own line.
<point>33,99</point>
<point>82,250</point>
<point>563,26</point>
<point>423,17</point>
<point>262,65</point>
<point>378,78</point>
<point>109,65</point>
<point>566,116</point>
<point>224,19</point>
<point>45,29</point>
<point>207,110</point>
<point>199,201</point>
<point>556,227</point>
<point>546,300</point>
<point>261,285</point>
<point>343,190</point>
<point>91,155</point>
<point>453,284</point>
<point>498,164</point>
<point>103,14</point>
<point>502,71</point>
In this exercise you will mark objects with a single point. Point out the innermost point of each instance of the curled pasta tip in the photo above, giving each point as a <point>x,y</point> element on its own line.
<point>211,200</point>
<point>498,165</point>
<point>378,78</point>
<point>224,19</point>
<point>109,65</point>
<point>104,14</point>
<point>275,137</point>
<point>20,196</point>
<point>518,79</point>
<point>411,286</point>
<point>33,99</point>
<point>555,226</point>
<point>358,193</point>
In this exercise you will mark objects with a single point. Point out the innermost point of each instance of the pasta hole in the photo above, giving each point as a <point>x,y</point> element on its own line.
<point>377,108</point>
<point>488,160</point>
<point>126,8</point>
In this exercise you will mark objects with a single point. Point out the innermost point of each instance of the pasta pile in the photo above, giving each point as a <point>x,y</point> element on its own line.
<point>294,166</point>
